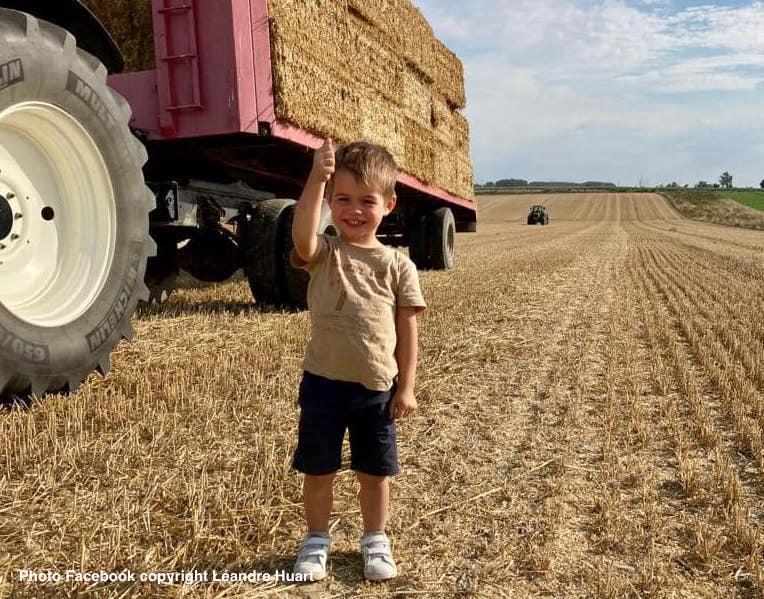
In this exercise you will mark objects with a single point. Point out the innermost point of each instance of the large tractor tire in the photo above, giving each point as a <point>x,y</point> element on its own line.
<point>73,251</point>
<point>272,279</point>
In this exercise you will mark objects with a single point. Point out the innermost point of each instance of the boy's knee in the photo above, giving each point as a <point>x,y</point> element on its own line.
<point>371,480</point>
<point>318,481</point>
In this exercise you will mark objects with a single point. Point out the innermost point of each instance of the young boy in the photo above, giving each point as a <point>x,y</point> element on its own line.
<point>360,363</point>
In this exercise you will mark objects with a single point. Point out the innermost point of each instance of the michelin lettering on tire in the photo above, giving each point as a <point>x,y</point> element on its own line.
<point>91,99</point>
<point>55,96</point>
<point>10,73</point>
<point>100,334</point>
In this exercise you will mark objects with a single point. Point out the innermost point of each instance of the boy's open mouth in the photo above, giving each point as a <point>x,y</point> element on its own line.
<point>355,222</point>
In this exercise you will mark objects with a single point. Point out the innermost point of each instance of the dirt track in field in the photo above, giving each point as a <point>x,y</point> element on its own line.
<point>592,407</point>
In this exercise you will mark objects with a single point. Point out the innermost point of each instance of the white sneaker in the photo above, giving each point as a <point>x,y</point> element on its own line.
<point>378,563</point>
<point>311,560</point>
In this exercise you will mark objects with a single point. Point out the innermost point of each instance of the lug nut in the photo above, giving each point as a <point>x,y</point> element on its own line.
<point>18,215</point>
<point>10,195</point>
<point>14,236</point>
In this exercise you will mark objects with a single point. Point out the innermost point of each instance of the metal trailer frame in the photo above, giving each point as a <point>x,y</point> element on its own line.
<point>211,95</point>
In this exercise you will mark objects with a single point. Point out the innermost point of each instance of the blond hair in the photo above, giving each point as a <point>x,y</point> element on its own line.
<point>367,162</point>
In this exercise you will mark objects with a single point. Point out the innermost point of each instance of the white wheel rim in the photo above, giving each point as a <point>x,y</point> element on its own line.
<point>56,258</point>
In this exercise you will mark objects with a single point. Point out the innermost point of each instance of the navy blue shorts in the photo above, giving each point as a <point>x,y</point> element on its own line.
<point>328,408</point>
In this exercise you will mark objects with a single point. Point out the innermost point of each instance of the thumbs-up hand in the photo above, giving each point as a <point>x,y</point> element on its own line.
<point>323,162</point>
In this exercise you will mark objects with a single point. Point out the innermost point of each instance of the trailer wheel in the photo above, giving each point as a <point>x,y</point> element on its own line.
<point>442,237</point>
<point>263,254</point>
<point>162,274</point>
<point>419,246</point>
<point>73,251</point>
<point>160,291</point>
<point>295,291</point>
<point>272,278</point>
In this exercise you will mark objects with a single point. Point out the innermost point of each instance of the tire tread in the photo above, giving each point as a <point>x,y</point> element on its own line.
<point>16,28</point>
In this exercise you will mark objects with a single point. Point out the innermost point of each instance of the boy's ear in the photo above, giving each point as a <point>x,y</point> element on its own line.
<point>390,204</point>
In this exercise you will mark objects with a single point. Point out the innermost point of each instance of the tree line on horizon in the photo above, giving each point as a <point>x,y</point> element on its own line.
<point>725,182</point>
<point>524,183</point>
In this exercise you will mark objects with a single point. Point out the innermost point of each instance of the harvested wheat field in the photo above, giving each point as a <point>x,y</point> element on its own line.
<point>591,413</point>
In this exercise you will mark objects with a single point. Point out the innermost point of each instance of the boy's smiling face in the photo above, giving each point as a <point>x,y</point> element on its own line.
<point>358,209</point>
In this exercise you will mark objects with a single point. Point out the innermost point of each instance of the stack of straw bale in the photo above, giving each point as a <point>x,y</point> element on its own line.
<point>350,69</point>
<point>372,69</point>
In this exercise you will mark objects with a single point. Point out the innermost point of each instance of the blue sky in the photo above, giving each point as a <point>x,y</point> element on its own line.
<point>628,91</point>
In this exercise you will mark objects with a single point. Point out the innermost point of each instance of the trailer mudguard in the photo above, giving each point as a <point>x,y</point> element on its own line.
<point>77,19</point>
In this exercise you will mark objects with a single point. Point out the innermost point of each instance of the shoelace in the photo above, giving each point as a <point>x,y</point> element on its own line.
<point>313,549</point>
<point>378,549</point>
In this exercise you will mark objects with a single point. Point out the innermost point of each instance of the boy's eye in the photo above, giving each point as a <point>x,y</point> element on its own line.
<point>370,202</point>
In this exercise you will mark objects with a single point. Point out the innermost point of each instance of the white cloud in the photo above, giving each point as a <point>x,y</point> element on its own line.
<point>681,80</point>
<point>577,72</point>
<point>737,29</point>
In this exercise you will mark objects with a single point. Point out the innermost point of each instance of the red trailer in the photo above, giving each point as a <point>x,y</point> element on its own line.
<point>190,155</point>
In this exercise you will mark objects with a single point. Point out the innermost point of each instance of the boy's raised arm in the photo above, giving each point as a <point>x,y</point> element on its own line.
<point>307,212</point>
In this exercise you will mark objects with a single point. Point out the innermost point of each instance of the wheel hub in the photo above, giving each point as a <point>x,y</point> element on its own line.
<point>55,254</point>
<point>6,218</point>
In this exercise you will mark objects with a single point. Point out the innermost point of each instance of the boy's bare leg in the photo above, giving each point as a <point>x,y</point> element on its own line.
<point>318,495</point>
<point>374,498</point>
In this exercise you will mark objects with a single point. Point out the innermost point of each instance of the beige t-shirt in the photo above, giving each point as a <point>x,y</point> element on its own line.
<point>353,295</point>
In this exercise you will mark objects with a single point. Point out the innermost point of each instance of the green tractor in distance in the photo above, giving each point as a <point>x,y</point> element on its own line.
<point>538,216</point>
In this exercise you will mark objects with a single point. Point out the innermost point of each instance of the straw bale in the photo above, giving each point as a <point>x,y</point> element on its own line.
<point>385,125</point>
<point>448,74</point>
<point>420,152</point>
<point>453,169</point>
<point>446,165</point>
<point>443,122</point>
<point>415,96</point>
<point>361,80</point>
<point>401,23</point>
<point>465,182</point>
<point>319,28</point>
<point>414,36</point>
<point>388,69</point>
<point>376,12</point>
<point>371,60</point>
<point>129,22</point>
<point>461,130</point>
<point>449,127</point>
<point>377,65</point>
<point>315,107</point>
<point>445,171</point>
<point>371,36</point>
